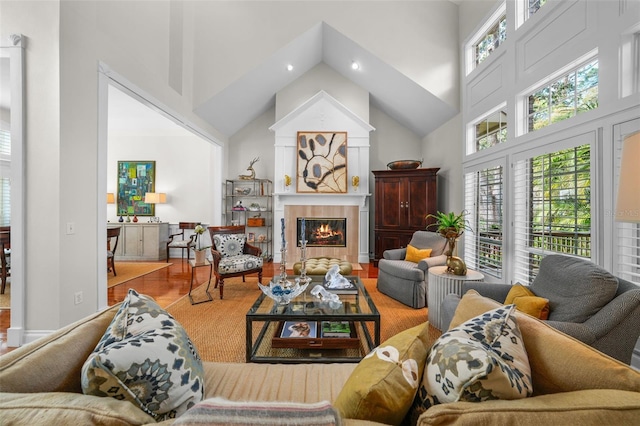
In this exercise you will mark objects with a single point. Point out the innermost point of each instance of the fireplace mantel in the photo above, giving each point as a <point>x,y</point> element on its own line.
<point>351,199</point>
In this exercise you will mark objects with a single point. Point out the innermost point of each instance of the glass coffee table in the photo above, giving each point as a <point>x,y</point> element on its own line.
<point>307,330</point>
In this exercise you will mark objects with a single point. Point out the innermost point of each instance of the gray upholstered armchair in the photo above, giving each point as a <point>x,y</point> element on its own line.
<point>406,281</point>
<point>585,301</point>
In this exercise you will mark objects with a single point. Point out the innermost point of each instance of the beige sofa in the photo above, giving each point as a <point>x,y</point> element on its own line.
<point>40,382</point>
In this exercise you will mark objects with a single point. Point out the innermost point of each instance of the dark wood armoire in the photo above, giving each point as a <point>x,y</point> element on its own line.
<point>403,200</point>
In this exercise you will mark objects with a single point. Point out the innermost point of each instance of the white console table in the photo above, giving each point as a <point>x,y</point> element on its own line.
<point>442,283</point>
<point>142,240</point>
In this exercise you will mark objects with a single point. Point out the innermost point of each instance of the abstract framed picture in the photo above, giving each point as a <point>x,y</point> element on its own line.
<point>135,179</point>
<point>322,162</point>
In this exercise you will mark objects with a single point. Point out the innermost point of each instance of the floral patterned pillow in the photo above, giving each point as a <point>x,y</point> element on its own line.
<point>482,359</point>
<point>229,244</point>
<point>145,357</point>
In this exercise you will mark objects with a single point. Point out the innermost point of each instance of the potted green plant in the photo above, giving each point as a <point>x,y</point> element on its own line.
<point>449,224</point>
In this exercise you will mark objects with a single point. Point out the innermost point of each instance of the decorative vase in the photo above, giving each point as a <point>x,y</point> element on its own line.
<point>128,218</point>
<point>201,256</point>
<point>121,219</point>
<point>455,265</point>
<point>135,218</point>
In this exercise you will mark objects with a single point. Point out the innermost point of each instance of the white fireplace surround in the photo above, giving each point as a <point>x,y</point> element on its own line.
<point>322,112</point>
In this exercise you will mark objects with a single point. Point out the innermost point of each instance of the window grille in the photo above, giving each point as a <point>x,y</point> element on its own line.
<point>491,131</point>
<point>552,208</point>
<point>490,40</point>
<point>573,93</point>
<point>483,202</point>
<point>534,6</point>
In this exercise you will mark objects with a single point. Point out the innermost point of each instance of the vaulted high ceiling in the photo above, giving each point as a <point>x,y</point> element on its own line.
<point>391,91</point>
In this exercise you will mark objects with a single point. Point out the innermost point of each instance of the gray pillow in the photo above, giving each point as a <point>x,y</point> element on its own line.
<point>576,288</point>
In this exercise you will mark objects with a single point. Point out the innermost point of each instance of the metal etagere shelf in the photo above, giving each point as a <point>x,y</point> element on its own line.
<point>249,202</point>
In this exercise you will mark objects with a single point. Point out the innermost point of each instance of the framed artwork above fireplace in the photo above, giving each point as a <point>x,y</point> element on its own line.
<point>321,162</point>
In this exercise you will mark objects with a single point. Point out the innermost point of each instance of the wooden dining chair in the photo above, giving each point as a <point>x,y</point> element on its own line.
<point>5,257</point>
<point>113,235</point>
<point>178,240</point>
<point>233,256</point>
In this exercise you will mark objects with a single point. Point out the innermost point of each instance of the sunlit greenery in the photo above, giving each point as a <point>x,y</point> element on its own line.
<point>491,40</point>
<point>561,201</point>
<point>491,131</point>
<point>574,93</point>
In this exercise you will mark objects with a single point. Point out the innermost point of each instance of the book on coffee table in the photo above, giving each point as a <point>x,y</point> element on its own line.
<point>297,329</point>
<point>340,329</point>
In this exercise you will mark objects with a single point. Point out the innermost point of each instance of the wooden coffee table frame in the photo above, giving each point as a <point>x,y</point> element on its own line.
<point>319,353</point>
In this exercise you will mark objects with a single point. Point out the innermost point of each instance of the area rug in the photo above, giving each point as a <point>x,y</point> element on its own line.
<point>129,270</point>
<point>217,328</point>
<point>5,299</point>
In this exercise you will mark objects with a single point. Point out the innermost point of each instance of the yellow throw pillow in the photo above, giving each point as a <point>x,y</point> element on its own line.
<point>517,290</point>
<point>383,385</point>
<point>535,306</point>
<point>415,255</point>
<point>526,301</point>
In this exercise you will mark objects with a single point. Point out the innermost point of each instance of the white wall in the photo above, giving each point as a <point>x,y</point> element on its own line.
<point>183,166</point>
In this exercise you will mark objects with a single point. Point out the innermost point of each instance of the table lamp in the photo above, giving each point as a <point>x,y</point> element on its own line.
<point>628,204</point>
<point>155,198</point>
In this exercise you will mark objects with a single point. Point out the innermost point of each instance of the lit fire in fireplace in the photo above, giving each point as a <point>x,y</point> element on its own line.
<point>325,232</point>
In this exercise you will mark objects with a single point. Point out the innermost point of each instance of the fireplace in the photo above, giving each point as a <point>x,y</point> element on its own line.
<point>323,232</point>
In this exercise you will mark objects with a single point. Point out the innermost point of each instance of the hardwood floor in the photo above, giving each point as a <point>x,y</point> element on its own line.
<point>166,286</point>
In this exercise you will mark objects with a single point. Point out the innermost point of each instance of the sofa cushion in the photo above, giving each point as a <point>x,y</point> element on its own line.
<point>145,357</point>
<point>67,408</point>
<point>576,288</point>
<point>482,359</point>
<point>243,262</point>
<point>384,383</point>
<point>220,411</point>
<point>415,254</point>
<point>526,301</point>
<point>229,244</point>
<point>570,366</point>
<point>71,345</point>
<point>401,269</point>
<point>586,407</point>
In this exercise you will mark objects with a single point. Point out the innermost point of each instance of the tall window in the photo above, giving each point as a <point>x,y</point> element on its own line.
<point>553,214</point>
<point>491,130</point>
<point>573,93</point>
<point>490,40</point>
<point>483,202</point>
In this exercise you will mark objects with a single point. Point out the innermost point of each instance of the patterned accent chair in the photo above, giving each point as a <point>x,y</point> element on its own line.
<point>178,240</point>
<point>407,281</point>
<point>233,256</point>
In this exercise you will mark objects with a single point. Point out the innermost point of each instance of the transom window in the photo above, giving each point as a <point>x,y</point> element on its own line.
<point>575,92</point>
<point>491,131</point>
<point>490,40</point>
<point>534,6</point>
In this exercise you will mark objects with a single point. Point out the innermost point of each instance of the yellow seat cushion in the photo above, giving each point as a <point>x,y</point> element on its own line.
<point>415,254</point>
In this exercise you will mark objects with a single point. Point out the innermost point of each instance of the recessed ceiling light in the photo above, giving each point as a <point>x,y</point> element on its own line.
<point>289,67</point>
<point>355,65</point>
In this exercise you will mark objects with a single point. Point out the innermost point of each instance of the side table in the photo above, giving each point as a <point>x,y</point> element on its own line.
<point>442,283</point>
<point>194,266</point>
